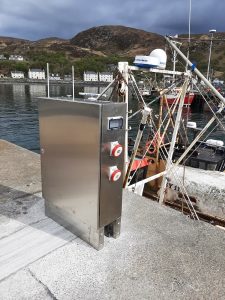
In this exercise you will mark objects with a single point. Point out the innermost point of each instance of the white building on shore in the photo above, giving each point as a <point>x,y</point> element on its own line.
<point>2,57</point>
<point>217,81</point>
<point>106,76</point>
<point>90,76</point>
<point>95,76</point>
<point>67,77</point>
<point>17,74</point>
<point>36,74</point>
<point>54,77</point>
<point>16,57</point>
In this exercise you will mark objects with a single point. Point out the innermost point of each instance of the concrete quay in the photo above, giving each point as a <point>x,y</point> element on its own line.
<point>161,254</point>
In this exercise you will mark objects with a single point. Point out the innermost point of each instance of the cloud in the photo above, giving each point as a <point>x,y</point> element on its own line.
<point>34,19</point>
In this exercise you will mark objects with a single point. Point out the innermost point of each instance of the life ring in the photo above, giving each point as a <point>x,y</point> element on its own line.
<point>150,147</point>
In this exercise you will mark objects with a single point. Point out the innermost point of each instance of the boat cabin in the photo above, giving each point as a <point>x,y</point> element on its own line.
<point>206,156</point>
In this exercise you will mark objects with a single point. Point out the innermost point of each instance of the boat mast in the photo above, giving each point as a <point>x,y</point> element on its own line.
<point>162,99</point>
<point>189,31</point>
<point>174,137</point>
<point>210,52</point>
<point>123,69</point>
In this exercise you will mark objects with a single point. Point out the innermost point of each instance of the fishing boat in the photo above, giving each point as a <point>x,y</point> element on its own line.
<point>176,161</point>
<point>209,155</point>
<point>171,98</point>
<point>145,92</point>
<point>148,88</point>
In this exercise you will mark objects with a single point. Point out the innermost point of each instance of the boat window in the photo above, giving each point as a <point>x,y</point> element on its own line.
<point>202,165</point>
<point>211,166</point>
<point>194,164</point>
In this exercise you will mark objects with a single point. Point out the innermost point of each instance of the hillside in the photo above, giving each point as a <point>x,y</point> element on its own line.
<point>17,46</point>
<point>118,40</point>
<point>98,47</point>
<point>199,52</point>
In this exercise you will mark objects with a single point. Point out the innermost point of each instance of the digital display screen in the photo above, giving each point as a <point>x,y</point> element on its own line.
<point>115,123</point>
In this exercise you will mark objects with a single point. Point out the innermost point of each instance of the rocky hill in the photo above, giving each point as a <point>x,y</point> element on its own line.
<point>118,40</point>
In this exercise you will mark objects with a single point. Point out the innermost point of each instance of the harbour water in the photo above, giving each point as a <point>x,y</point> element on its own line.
<point>19,111</point>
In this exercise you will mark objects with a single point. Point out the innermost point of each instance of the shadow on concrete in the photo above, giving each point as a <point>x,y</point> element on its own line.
<point>20,206</point>
<point>14,203</point>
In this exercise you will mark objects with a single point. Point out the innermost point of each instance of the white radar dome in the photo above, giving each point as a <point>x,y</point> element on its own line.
<point>161,56</point>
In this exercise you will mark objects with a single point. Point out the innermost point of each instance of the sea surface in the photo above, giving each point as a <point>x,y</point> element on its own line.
<point>19,112</point>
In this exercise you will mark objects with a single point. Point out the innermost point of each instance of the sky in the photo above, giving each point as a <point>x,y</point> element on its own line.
<point>36,19</point>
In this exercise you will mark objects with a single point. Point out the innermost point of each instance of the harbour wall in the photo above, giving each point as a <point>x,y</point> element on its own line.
<point>207,187</point>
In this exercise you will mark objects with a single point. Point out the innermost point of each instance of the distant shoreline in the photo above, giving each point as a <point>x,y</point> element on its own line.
<point>51,82</point>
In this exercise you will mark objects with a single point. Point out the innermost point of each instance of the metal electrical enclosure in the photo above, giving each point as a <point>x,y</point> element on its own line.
<point>82,163</point>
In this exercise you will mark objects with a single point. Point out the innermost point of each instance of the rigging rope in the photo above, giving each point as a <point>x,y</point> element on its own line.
<point>165,91</point>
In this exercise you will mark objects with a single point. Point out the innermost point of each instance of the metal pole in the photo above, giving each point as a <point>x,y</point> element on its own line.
<point>145,113</point>
<point>73,80</point>
<point>189,22</point>
<point>189,32</point>
<point>210,52</point>
<point>148,179</point>
<point>162,99</point>
<point>103,92</point>
<point>123,68</point>
<point>48,80</point>
<point>174,64</point>
<point>194,69</point>
<point>173,141</point>
<point>134,81</point>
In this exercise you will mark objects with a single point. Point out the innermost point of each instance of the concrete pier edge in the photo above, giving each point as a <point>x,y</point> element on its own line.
<point>161,254</point>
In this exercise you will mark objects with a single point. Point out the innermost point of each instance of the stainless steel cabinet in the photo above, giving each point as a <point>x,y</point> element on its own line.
<point>82,144</point>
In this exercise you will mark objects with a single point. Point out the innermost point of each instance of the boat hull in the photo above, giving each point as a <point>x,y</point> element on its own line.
<point>171,99</point>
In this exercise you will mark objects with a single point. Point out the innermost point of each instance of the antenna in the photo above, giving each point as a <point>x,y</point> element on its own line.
<point>189,31</point>
<point>189,23</point>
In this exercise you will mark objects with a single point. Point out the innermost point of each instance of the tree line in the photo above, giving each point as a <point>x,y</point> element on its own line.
<point>61,64</point>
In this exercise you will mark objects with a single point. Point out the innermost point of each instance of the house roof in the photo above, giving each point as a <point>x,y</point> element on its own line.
<point>105,73</point>
<point>91,73</point>
<point>17,72</point>
<point>15,55</point>
<point>36,70</point>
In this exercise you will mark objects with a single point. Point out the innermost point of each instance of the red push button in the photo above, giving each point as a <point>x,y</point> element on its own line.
<point>115,149</point>
<point>114,173</point>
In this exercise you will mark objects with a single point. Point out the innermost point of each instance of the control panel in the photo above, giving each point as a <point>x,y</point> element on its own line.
<point>112,158</point>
